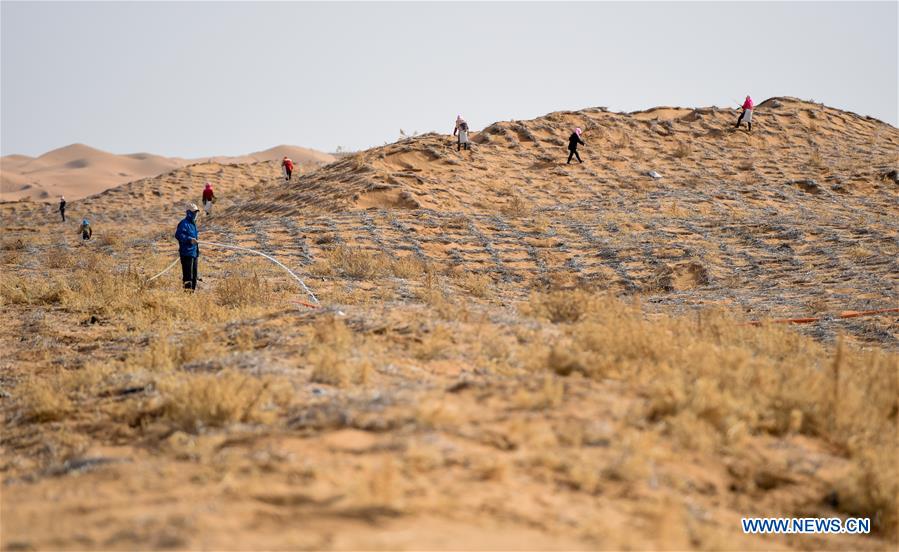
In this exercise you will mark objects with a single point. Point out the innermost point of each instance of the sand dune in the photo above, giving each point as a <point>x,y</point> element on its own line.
<point>513,353</point>
<point>277,153</point>
<point>78,171</point>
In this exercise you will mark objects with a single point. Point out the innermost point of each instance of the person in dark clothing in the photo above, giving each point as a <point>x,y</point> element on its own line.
<point>188,250</point>
<point>85,229</point>
<point>62,208</point>
<point>573,141</point>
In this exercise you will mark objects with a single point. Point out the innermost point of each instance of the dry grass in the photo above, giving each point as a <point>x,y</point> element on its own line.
<point>113,241</point>
<point>408,267</point>
<point>517,207</point>
<point>18,290</point>
<point>359,264</point>
<point>621,140</point>
<point>682,150</point>
<point>815,161</point>
<point>166,354</point>
<point>560,306</point>
<point>42,399</point>
<point>714,382</point>
<point>197,401</point>
<point>244,288</point>
<point>673,209</point>
<point>14,244</point>
<point>337,356</point>
<point>58,257</point>
<point>549,394</point>
<point>860,252</point>
<point>475,284</point>
<point>437,343</point>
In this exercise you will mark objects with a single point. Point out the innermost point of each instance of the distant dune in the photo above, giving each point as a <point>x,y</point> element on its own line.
<point>77,171</point>
<point>297,154</point>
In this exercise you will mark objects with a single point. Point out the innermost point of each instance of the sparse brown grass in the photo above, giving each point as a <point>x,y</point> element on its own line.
<point>815,160</point>
<point>243,288</point>
<point>549,394</point>
<point>166,353</point>
<point>113,241</point>
<point>716,382</point>
<point>682,150</point>
<point>335,356</point>
<point>746,165</point>
<point>540,223</point>
<point>475,284</point>
<point>859,252</point>
<point>14,244</point>
<point>560,306</point>
<point>42,399</point>
<point>352,262</point>
<point>196,401</point>
<point>58,257</point>
<point>621,140</point>
<point>408,267</point>
<point>516,207</point>
<point>18,290</point>
<point>437,343</point>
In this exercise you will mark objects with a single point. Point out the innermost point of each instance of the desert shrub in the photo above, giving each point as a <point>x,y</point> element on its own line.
<point>165,353</point>
<point>243,288</point>
<point>710,381</point>
<point>58,257</point>
<point>12,257</point>
<point>408,267</point>
<point>18,290</point>
<point>335,357</point>
<point>621,140</point>
<point>681,150</point>
<point>14,244</point>
<point>437,343</point>
<point>352,262</point>
<point>561,306</point>
<point>196,401</point>
<point>516,207</point>
<point>42,399</point>
<point>815,160</point>
<point>104,289</point>
<point>113,241</point>
<point>475,284</point>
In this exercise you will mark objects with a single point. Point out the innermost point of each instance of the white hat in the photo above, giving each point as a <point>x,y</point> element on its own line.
<point>192,207</point>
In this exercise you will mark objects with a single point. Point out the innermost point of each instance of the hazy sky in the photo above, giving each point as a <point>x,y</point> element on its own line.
<point>197,79</point>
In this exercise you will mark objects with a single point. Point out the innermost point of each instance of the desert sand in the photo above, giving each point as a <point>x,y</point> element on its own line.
<point>78,171</point>
<point>509,352</point>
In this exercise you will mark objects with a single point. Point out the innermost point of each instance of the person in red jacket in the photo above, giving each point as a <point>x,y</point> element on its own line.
<point>208,198</point>
<point>747,113</point>
<point>287,165</point>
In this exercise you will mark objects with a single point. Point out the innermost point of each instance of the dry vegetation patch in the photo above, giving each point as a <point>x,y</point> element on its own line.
<point>244,287</point>
<point>352,262</point>
<point>337,356</point>
<point>711,382</point>
<point>195,401</point>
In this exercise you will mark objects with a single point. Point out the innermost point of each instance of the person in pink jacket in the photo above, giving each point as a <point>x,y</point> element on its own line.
<point>747,113</point>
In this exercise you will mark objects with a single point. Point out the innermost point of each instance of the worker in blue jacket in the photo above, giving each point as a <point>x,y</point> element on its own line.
<point>187,235</point>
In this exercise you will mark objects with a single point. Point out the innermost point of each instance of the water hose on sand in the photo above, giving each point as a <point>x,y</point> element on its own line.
<point>315,303</point>
<point>843,314</point>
